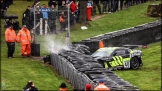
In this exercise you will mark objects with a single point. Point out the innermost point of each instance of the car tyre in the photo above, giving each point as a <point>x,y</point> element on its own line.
<point>134,63</point>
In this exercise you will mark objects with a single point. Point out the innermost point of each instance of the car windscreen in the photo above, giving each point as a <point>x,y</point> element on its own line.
<point>101,53</point>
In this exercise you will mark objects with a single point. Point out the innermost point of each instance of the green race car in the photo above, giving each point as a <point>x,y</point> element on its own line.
<point>115,58</point>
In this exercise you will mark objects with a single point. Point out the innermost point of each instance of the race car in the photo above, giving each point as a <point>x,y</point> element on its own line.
<point>114,58</point>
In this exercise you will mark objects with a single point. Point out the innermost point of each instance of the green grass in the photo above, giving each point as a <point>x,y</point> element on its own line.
<point>133,16</point>
<point>18,71</point>
<point>148,77</point>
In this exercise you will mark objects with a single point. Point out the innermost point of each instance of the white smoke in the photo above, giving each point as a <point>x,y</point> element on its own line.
<point>54,45</point>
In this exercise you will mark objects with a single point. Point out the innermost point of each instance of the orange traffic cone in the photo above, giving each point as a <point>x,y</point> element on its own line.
<point>101,45</point>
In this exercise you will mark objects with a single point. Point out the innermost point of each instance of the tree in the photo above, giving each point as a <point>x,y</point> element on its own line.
<point>82,15</point>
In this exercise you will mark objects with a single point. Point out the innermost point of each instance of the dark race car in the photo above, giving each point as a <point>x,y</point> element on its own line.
<point>115,58</point>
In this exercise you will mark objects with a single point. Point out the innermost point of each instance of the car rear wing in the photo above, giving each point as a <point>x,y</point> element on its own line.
<point>135,46</point>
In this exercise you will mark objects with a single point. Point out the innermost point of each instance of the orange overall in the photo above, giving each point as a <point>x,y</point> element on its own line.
<point>24,38</point>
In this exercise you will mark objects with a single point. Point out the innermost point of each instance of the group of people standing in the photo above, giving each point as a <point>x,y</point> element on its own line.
<point>111,6</point>
<point>100,87</point>
<point>46,16</point>
<point>63,87</point>
<point>4,5</point>
<point>23,37</point>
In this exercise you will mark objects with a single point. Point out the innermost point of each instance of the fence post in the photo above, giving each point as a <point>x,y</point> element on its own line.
<point>34,41</point>
<point>68,34</point>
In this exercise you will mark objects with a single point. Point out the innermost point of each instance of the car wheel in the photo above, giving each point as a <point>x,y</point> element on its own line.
<point>134,63</point>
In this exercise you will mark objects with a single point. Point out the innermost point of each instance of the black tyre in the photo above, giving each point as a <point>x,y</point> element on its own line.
<point>134,63</point>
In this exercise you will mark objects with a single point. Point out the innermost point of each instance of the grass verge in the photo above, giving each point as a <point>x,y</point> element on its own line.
<point>18,71</point>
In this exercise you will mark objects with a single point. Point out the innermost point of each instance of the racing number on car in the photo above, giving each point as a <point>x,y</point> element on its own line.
<point>127,64</point>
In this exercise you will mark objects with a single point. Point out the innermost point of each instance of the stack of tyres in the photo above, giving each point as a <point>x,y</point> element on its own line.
<point>80,42</point>
<point>106,40</point>
<point>80,48</point>
<point>96,76</point>
<point>84,69</point>
<point>121,88</point>
<point>92,44</point>
<point>81,69</point>
<point>90,73</point>
<point>123,83</point>
<point>140,27</point>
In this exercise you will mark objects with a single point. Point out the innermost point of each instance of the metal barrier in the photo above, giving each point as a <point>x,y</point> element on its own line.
<point>53,22</point>
<point>73,66</point>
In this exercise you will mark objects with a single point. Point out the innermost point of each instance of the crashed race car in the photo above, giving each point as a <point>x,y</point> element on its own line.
<point>115,58</point>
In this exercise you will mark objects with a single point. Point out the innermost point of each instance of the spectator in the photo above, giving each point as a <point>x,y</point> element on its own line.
<point>24,38</point>
<point>3,9</point>
<point>8,2</point>
<point>10,37</point>
<point>44,11</point>
<point>88,87</point>
<point>137,2</point>
<point>59,3</point>
<point>30,87</point>
<point>96,3</point>
<point>116,5</point>
<point>104,2</point>
<point>112,5</point>
<point>88,10</point>
<point>101,86</point>
<point>52,19</point>
<point>63,87</point>
<point>9,22</point>
<point>121,4</point>
<point>52,2</point>
<point>38,18</point>
<point>77,12</point>
<point>72,12</point>
<point>126,4</point>
<point>34,3</point>
<point>64,7</point>
<point>28,18</point>
<point>109,6</point>
<point>63,21</point>
<point>72,7</point>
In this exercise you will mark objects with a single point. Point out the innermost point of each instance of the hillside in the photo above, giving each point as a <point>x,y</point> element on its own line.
<point>18,71</point>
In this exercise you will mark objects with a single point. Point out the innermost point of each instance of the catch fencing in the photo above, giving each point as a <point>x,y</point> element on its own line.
<point>52,23</point>
<point>80,69</point>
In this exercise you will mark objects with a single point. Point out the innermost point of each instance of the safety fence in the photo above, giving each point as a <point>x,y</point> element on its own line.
<point>141,35</point>
<point>81,69</point>
<point>55,21</point>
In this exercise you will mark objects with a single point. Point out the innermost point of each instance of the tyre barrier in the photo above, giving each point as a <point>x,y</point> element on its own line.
<point>80,69</point>
<point>141,35</point>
